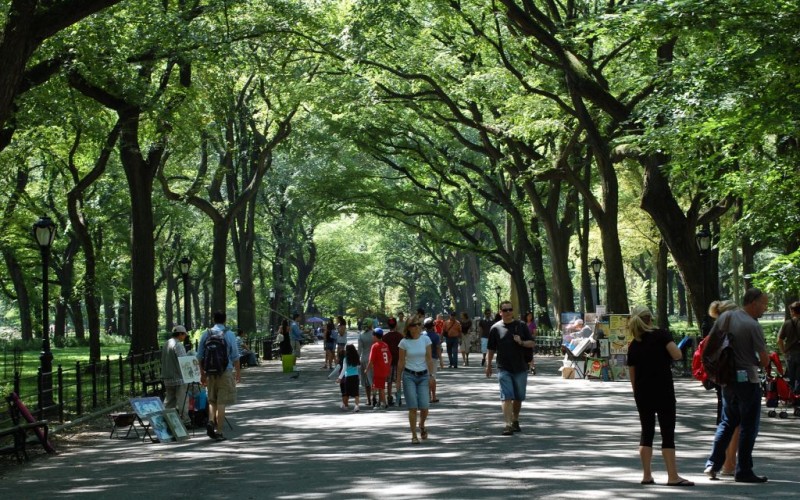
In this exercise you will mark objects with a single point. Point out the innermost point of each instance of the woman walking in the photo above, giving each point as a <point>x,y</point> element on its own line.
<point>650,357</point>
<point>415,376</point>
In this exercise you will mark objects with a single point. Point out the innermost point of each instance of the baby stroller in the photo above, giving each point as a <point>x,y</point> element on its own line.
<point>777,392</point>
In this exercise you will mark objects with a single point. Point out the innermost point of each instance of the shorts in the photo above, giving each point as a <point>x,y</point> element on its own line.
<point>512,385</point>
<point>296,345</point>
<point>349,386</point>
<point>484,344</point>
<point>221,388</point>
<point>330,346</point>
<point>416,391</point>
<point>379,381</point>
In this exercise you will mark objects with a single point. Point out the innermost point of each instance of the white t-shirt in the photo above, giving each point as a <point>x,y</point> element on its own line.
<point>415,352</point>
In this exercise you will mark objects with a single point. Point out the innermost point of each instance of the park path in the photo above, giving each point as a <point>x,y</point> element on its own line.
<point>291,441</point>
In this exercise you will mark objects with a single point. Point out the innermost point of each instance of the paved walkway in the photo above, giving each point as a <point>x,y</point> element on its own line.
<point>291,441</point>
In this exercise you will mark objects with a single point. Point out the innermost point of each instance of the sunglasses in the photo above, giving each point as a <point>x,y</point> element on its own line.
<point>507,309</point>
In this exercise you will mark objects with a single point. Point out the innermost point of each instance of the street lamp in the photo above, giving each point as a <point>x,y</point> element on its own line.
<point>185,263</point>
<point>237,286</point>
<point>597,265</point>
<point>44,231</point>
<point>475,303</point>
<point>531,284</point>
<point>497,291</point>
<point>703,239</point>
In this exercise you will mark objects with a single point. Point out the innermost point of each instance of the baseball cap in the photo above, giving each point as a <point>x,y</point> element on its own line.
<point>378,332</point>
<point>428,322</point>
<point>179,329</point>
<point>391,322</point>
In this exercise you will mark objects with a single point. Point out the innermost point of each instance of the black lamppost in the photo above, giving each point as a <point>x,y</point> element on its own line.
<point>703,239</point>
<point>475,303</point>
<point>237,286</point>
<point>185,264</point>
<point>531,284</point>
<point>597,265</point>
<point>497,291</point>
<point>44,231</point>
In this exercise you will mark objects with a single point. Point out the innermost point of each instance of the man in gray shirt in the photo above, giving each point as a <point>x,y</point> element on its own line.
<point>741,400</point>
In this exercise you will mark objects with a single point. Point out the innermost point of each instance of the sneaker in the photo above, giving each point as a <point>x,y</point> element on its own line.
<point>343,407</point>
<point>508,430</point>
<point>710,472</point>
<point>355,409</point>
<point>515,426</point>
<point>210,430</point>
<point>219,437</point>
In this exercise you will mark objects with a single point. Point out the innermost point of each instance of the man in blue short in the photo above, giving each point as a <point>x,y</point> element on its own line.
<point>508,338</point>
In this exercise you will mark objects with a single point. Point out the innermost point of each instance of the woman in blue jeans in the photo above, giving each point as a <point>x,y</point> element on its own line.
<point>415,375</point>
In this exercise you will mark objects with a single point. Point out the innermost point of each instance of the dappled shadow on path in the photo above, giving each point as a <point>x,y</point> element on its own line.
<point>291,441</point>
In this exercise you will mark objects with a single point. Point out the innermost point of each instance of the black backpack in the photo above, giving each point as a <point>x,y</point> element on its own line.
<point>215,357</point>
<point>719,360</point>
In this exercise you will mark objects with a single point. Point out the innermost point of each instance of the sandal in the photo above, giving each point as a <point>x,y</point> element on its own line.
<point>423,432</point>
<point>414,440</point>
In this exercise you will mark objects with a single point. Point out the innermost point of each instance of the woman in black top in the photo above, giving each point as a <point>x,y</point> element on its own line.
<point>650,357</point>
<point>286,342</point>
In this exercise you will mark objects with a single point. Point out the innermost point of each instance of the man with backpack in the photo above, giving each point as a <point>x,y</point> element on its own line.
<point>219,370</point>
<point>741,398</point>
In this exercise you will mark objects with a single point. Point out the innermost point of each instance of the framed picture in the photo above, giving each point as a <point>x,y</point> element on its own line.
<point>190,369</point>
<point>144,407</point>
<point>160,427</point>
<point>175,425</point>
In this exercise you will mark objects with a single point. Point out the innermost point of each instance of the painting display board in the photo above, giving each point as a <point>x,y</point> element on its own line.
<point>160,427</point>
<point>175,425</point>
<point>144,407</point>
<point>190,369</point>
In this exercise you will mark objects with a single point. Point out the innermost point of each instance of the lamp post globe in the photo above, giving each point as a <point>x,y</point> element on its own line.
<point>44,231</point>
<point>475,303</point>
<point>497,290</point>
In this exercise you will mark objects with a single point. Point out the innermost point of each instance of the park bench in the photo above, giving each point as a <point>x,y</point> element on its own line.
<point>22,423</point>
<point>150,377</point>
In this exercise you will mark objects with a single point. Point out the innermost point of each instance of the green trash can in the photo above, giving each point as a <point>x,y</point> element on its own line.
<point>288,362</point>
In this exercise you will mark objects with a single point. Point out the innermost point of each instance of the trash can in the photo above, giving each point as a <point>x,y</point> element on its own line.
<point>288,362</point>
<point>267,346</point>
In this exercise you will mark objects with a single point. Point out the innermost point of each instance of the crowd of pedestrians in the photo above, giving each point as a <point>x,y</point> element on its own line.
<point>402,363</point>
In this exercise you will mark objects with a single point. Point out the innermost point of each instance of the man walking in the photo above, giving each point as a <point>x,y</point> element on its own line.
<point>297,337</point>
<point>392,339</point>
<point>452,333</point>
<point>741,400</point>
<point>508,338</point>
<point>220,371</point>
<point>174,387</point>
<point>485,325</point>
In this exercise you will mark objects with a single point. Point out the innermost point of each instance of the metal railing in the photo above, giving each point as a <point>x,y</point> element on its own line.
<point>81,389</point>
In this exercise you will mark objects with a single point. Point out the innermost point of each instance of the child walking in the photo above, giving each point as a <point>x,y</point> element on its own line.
<point>380,361</point>
<point>348,377</point>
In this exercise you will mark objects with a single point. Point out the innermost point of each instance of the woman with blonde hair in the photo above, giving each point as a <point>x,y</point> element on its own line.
<point>715,309</point>
<point>650,357</point>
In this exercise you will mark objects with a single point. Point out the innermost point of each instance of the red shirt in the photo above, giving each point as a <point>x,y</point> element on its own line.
<point>438,326</point>
<point>381,359</point>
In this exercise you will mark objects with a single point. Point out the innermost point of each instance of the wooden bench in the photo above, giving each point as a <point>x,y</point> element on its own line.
<point>150,376</point>
<point>22,422</point>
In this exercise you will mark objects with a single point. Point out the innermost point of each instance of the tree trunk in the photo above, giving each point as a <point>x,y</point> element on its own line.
<point>124,315</point>
<point>23,300</point>
<point>76,312</point>
<point>219,255</point>
<point>662,276</point>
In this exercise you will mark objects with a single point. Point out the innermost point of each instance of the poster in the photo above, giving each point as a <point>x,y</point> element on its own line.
<point>190,369</point>
<point>144,407</point>
<point>618,333</point>
<point>160,427</point>
<point>594,367</point>
<point>619,369</point>
<point>175,425</point>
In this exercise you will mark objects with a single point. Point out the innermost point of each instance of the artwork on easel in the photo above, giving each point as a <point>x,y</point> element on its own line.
<point>618,333</point>
<point>160,427</point>
<point>144,407</point>
<point>619,370</point>
<point>190,369</point>
<point>175,425</point>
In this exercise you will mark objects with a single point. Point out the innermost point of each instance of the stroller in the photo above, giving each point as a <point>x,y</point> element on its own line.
<point>777,392</point>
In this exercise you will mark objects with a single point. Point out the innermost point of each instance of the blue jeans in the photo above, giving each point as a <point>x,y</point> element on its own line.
<point>741,406</point>
<point>513,386</point>
<point>452,351</point>
<point>415,389</point>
